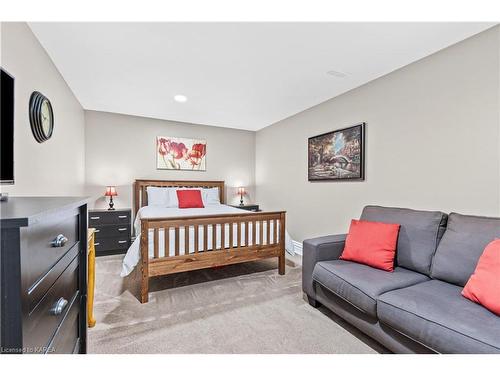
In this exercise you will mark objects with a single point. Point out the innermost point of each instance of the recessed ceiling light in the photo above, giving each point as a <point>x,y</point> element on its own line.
<point>180,98</point>
<point>337,74</point>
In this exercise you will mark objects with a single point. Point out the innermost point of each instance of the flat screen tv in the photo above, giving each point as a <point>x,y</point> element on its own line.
<point>7,128</point>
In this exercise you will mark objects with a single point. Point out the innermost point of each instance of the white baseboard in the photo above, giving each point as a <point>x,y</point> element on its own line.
<point>297,247</point>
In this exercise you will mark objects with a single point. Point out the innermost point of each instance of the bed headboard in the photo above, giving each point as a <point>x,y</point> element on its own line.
<point>141,196</point>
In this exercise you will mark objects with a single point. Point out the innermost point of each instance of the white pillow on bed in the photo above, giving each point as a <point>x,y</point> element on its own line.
<point>163,196</point>
<point>172,196</point>
<point>210,196</point>
<point>157,196</point>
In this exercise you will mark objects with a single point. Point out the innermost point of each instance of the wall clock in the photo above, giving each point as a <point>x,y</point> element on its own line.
<point>41,117</point>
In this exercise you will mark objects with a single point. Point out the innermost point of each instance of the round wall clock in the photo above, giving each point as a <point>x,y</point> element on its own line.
<point>41,117</point>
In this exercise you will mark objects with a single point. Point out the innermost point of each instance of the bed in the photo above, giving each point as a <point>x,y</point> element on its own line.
<point>171,240</point>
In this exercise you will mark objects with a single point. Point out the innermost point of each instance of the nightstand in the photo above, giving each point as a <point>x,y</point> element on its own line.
<point>248,207</point>
<point>112,230</point>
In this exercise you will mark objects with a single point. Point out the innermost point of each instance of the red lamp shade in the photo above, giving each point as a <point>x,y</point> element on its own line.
<point>110,191</point>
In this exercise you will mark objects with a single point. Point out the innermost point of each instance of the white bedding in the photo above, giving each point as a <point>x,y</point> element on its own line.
<point>134,254</point>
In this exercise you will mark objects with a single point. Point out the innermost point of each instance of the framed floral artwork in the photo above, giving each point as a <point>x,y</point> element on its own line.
<point>181,153</point>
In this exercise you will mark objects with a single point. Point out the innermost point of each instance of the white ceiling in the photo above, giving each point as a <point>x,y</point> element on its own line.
<point>237,75</point>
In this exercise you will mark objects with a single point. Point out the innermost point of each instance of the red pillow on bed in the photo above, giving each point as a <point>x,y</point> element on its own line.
<point>372,243</point>
<point>190,199</point>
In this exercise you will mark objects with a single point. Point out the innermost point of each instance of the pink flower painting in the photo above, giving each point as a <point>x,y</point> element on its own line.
<point>181,153</point>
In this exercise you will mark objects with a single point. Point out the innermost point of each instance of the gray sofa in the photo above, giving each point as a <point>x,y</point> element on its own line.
<point>418,308</point>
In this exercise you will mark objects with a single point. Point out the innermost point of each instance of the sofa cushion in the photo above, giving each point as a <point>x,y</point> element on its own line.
<point>371,243</point>
<point>360,285</point>
<point>483,286</point>
<point>419,234</point>
<point>435,314</point>
<point>462,245</point>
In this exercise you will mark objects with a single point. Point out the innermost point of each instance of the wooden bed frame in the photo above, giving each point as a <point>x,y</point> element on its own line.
<point>218,256</point>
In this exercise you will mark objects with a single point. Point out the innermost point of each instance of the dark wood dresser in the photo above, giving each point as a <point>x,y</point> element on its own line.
<point>43,275</point>
<point>112,230</point>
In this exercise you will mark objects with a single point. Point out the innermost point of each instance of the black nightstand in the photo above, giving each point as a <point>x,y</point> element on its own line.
<point>248,207</point>
<point>112,230</point>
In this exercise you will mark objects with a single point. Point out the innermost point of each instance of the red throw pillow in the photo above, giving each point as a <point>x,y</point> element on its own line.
<point>483,286</point>
<point>190,199</point>
<point>372,243</point>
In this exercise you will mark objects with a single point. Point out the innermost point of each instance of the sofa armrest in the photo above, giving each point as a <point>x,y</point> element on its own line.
<point>316,250</point>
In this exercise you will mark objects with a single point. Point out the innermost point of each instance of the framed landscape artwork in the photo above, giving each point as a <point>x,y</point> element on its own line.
<point>337,155</point>
<point>181,153</point>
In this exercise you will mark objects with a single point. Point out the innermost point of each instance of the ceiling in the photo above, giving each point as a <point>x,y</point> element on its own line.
<point>236,75</point>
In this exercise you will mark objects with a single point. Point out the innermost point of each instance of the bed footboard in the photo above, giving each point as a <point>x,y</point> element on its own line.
<point>196,242</point>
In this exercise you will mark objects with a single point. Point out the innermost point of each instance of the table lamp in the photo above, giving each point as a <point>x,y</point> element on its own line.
<point>241,192</point>
<point>111,192</point>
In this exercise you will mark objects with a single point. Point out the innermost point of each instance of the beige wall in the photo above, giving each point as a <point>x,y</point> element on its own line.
<point>55,167</point>
<point>121,148</point>
<point>432,143</point>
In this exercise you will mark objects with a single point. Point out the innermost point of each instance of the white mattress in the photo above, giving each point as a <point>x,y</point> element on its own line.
<point>134,254</point>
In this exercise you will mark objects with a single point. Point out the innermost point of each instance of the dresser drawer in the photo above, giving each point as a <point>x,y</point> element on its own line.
<point>66,340</point>
<point>97,218</point>
<point>40,251</point>
<point>106,231</point>
<point>114,243</point>
<point>35,293</point>
<point>40,325</point>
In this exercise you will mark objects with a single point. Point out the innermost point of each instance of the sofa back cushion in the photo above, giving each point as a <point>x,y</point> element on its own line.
<point>462,245</point>
<point>419,234</point>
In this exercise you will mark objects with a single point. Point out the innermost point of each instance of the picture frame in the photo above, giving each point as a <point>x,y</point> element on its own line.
<point>338,155</point>
<point>174,153</point>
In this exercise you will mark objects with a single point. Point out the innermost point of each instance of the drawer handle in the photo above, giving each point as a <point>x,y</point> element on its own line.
<point>121,229</point>
<point>122,216</point>
<point>97,230</point>
<point>95,217</point>
<point>59,306</point>
<point>96,243</point>
<point>59,241</point>
<point>123,241</point>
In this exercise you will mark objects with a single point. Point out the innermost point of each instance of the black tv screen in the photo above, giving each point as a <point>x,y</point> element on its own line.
<point>7,128</point>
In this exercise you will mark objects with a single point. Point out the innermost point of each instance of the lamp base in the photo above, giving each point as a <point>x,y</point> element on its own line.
<point>111,204</point>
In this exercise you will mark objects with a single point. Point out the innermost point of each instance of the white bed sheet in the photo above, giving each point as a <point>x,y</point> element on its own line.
<point>133,255</point>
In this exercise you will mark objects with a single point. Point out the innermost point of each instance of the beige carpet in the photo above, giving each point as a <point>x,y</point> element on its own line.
<point>245,308</point>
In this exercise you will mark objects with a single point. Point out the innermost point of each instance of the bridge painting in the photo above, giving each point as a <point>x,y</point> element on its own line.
<point>337,155</point>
